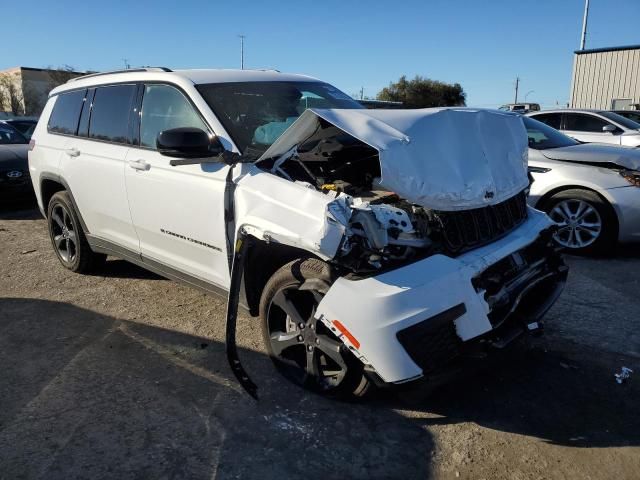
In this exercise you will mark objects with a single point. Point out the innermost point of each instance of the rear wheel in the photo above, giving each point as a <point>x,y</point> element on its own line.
<point>586,222</point>
<point>302,348</point>
<point>68,239</point>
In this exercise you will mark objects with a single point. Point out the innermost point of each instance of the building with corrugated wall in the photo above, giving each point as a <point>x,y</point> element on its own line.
<point>606,78</point>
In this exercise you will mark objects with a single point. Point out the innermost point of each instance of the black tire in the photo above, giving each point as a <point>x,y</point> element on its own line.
<point>598,211</point>
<point>68,239</point>
<point>337,374</point>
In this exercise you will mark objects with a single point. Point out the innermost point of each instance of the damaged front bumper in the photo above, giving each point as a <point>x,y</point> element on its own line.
<point>411,321</point>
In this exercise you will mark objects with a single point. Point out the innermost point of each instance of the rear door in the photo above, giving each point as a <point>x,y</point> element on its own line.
<point>178,212</point>
<point>94,161</point>
<point>588,128</point>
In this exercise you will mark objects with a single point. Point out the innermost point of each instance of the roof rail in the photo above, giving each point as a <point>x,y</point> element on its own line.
<point>130,70</point>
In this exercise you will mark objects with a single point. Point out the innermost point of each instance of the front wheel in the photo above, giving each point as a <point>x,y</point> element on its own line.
<point>302,348</point>
<point>586,223</point>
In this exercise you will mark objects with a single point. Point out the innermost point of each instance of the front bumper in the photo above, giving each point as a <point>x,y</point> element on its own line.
<point>626,202</point>
<point>409,321</point>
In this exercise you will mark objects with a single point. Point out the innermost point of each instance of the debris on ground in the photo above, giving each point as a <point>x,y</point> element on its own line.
<point>624,375</point>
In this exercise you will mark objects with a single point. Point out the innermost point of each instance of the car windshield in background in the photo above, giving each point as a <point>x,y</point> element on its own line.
<point>9,135</point>
<point>542,136</point>
<point>625,122</point>
<point>256,113</point>
<point>25,127</point>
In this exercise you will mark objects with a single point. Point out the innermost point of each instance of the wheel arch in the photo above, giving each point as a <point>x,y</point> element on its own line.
<point>50,185</point>
<point>263,260</point>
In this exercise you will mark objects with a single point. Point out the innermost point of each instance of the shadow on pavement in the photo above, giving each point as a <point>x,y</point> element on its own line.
<point>564,395</point>
<point>86,395</point>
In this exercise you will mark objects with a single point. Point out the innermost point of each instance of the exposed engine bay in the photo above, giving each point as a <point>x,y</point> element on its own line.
<point>384,230</point>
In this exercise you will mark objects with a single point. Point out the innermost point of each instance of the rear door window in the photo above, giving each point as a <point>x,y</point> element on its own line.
<point>66,112</point>
<point>551,119</point>
<point>580,122</point>
<point>110,114</point>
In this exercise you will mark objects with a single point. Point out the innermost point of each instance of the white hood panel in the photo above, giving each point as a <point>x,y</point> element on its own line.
<point>443,159</point>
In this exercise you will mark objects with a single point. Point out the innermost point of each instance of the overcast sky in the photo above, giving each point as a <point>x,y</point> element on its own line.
<point>482,45</point>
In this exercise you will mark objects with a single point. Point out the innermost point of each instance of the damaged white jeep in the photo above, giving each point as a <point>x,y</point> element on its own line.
<point>375,246</point>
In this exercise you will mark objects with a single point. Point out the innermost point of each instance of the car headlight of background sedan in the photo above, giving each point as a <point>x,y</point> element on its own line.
<point>631,176</point>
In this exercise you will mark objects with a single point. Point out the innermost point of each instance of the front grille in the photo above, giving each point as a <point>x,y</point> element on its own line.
<point>467,229</point>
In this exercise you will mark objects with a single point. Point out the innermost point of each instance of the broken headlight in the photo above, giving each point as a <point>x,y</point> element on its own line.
<point>631,176</point>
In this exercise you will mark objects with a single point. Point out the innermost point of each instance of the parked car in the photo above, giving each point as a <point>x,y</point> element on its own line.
<point>591,190</point>
<point>592,126</point>
<point>377,244</point>
<point>521,107</point>
<point>633,115</point>
<point>25,125</point>
<point>15,181</point>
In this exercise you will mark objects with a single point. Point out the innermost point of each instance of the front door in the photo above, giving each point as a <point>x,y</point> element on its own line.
<point>178,212</point>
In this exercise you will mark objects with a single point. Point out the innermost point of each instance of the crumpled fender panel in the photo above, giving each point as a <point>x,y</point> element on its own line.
<point>274,209</point>
<point>374,309</point>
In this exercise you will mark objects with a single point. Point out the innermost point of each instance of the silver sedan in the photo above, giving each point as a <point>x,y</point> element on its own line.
<point>591,190</point>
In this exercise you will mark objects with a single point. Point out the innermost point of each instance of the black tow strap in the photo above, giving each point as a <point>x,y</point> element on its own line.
<point>241,248</point>
<point>236,254</point>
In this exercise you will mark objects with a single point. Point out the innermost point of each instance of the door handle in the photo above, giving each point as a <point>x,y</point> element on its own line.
<point>139,165</point>
<point>72,152</point>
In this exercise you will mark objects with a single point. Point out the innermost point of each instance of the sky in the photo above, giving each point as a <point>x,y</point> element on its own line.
<point>483,45</point>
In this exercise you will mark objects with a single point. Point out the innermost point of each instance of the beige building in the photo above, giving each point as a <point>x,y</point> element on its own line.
<point>24,90</point>
<point>606,78</point>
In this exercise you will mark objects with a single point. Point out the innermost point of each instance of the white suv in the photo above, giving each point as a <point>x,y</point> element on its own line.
<point>374,245</point>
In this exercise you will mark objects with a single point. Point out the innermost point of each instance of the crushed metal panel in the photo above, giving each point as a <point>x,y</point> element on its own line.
<point>443,159</point>
<point>275,209</point>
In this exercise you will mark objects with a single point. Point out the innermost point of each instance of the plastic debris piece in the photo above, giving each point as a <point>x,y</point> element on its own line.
<point>624,375</point>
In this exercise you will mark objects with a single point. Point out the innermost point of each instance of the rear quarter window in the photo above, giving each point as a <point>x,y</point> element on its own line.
<point>110,113</point>
<point>66,113</point>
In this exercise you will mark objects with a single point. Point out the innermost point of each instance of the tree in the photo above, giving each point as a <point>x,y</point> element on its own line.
<point>423,92</point>
<point>11,96</point>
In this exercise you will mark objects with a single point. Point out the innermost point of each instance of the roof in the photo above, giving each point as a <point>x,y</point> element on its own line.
<point>567,110</point>
<point>181,77</point>
<point>607,49</point>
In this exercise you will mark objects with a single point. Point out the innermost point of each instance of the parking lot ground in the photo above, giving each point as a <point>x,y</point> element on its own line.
<point>123,375</point>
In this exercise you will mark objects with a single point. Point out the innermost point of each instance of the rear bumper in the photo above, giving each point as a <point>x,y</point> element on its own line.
<point>411,321</point>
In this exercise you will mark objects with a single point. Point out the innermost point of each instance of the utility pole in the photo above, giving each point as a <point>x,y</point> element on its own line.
<point>584,25</point>
<point>517,85</point>
<point>361,93</point>
<point>242,37</point>
<point>127,66</point>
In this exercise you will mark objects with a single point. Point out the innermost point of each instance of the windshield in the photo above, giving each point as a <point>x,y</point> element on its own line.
<point>9,135</point>
<point>542,136</point>
<point>619,119</point>
<point>255,114</point>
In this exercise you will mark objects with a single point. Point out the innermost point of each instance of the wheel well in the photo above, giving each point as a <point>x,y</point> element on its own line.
<point>261,263</point>
<point>48,189</point>
<point>541,203</point>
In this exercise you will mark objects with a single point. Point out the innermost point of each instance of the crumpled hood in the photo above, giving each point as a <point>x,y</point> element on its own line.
<point>596,153</point>
<point>443,159</point>
<point>14,156</point>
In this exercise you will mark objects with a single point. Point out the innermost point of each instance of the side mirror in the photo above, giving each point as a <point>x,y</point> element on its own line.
<point>609,128</point>
<point>188,142</point>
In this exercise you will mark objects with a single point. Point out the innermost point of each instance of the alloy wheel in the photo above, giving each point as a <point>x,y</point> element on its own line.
<point>306,350</point>
<point>579,223</point>
<point>63,233</point>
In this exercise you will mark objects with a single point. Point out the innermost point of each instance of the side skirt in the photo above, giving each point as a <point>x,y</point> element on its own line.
<point>100,245</point>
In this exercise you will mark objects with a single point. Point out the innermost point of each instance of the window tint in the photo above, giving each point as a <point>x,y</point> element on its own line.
<point>584,123</point>
<point>164,108</point>
<point>551,119</point>
<point>110,113</point>
<point>629,123</point>
<point>9,135</point>
<point>66,110</point>
<point>542,136</point>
